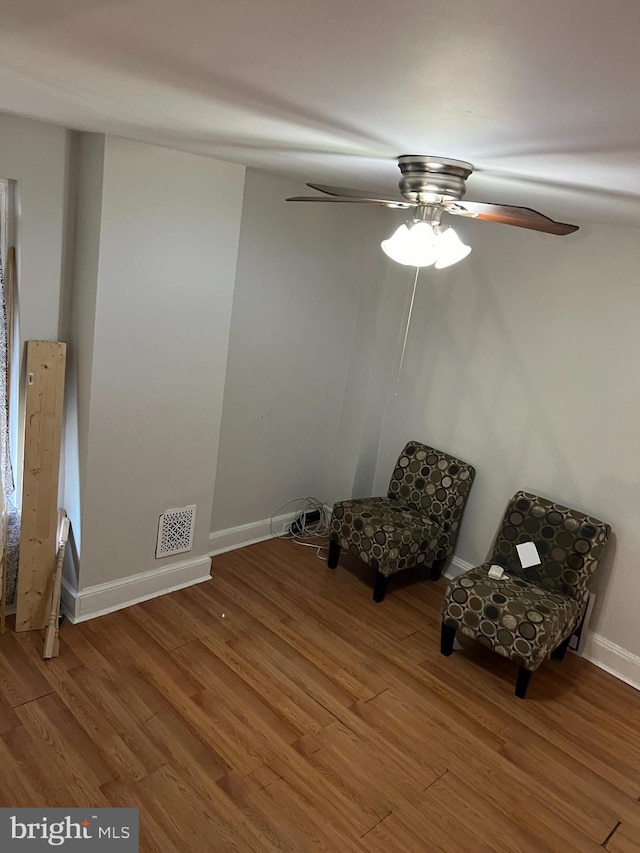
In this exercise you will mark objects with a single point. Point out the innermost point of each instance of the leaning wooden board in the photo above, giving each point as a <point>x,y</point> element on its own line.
<point>44,393</point>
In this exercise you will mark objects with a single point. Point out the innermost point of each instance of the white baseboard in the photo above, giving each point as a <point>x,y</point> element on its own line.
<point>93,601</point>
<point>248,534</point>
<point>457,567</point>
<point>613,658</point>
<point>104,598</point>
<point>68,596</point>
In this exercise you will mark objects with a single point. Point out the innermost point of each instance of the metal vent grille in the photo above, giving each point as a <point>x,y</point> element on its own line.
<point>175,531</point>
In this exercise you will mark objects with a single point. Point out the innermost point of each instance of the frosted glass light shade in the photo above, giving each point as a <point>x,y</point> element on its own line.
<point>419,245</point>
<point>413,247</point>
<point>450,249</point>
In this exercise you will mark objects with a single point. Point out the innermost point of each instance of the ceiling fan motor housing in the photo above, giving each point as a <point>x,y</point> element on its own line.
<point>432,180</point>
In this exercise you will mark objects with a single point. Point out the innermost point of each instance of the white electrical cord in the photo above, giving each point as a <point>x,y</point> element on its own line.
<point>312,534</point>
<point>406,331</point>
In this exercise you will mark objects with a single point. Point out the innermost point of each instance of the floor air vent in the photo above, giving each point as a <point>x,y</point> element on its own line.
<point>175,531</point>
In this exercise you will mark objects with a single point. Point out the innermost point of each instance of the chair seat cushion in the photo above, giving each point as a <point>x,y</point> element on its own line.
<point>513,616</point>
<point>385,534</point>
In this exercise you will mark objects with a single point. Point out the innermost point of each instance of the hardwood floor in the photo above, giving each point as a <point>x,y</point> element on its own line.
<point>276,707</point>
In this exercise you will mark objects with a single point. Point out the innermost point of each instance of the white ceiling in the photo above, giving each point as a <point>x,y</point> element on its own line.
<point>542,96</point>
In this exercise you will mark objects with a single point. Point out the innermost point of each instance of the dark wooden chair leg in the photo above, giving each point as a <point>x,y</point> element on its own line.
<point>559,652</point>
<point>436,570</point>
<point>522,682</point>
<point>447,636</point>
<point>334,554</point>
<point>380,587</point>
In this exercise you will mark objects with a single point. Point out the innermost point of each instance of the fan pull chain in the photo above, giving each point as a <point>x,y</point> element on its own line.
<point>406,331</point>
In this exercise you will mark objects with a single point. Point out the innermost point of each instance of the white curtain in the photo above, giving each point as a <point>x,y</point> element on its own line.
<point>8,487</point>
<point>5,455</point>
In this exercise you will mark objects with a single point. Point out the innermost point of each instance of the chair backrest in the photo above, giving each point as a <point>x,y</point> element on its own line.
<point>433,483</point>
<point>569,544</point>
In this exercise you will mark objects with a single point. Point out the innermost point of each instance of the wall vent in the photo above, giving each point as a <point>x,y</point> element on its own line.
<point>175,531</point>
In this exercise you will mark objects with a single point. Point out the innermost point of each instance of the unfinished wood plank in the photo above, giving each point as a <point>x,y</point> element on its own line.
<point>43,434</point>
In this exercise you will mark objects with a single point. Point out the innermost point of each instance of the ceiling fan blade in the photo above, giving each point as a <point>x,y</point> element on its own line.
<point>506,214</point>
<point>349,200</point>
<point>345,192</point>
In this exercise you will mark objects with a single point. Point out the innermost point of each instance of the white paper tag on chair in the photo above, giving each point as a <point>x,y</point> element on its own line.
<point>528,554</point>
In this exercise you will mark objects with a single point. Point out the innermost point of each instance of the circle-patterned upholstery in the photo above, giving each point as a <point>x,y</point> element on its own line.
<point>432,483</point>
<point>569,543</point>
<point>387,536</point>
<point>513,617</point>
<point>417,523</point>
<point>528,614</point>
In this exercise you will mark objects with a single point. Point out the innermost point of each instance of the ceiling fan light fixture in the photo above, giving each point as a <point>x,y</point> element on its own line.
<point>450,249</point>
<point>413,246</point>
<point>421,245</point>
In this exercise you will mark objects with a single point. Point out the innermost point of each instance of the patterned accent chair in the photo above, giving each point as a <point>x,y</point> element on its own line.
<point>529,614</point>
<point>415,525</point>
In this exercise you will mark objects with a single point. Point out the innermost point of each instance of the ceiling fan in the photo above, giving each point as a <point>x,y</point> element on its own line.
<point>431,187</point>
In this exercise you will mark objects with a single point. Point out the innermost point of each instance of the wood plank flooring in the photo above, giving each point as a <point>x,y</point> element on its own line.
<point>277,708</point>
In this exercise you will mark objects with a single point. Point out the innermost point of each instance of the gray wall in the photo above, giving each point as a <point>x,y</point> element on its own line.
<point>81,291</point>
<point>524,360</point>
<point>168,237</point>
<point>298,286</point>
<point>372,369</point>
<point>35,155</point>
